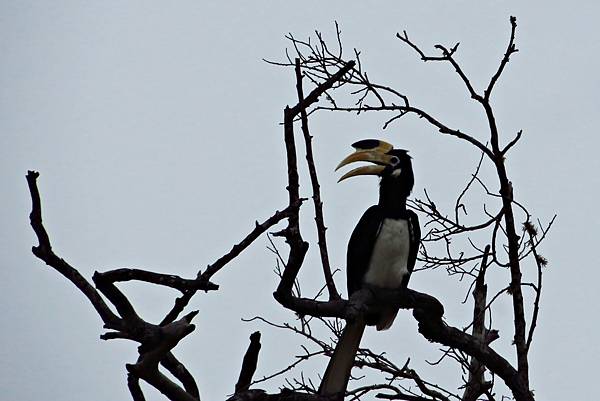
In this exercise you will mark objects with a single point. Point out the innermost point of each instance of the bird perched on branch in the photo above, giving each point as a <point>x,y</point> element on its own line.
<point>382,249</point>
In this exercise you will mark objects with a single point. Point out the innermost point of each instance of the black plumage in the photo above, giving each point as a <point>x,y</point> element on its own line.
<point>362,241</point>
<point>382,250</point>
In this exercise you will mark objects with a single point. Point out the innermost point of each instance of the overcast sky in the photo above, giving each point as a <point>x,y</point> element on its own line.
<point>154,126</point>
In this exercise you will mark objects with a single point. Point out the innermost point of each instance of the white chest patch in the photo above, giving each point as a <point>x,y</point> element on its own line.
<point>388,264</point>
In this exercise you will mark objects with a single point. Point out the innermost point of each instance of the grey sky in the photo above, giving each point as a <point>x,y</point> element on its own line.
<point>155,130</point>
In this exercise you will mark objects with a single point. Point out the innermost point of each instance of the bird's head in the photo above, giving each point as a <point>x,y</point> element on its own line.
<point>392,165</point>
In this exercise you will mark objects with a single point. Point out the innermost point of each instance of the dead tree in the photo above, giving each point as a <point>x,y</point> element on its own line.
<point>506,245</point>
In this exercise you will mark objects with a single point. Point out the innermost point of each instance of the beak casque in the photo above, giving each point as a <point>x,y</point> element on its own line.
<point>376,154</point>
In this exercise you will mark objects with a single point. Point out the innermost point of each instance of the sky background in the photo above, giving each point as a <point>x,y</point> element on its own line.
<point>155,129</point>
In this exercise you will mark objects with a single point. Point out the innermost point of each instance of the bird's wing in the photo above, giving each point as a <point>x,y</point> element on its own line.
<point>415,241</point>
<point>360,247</point>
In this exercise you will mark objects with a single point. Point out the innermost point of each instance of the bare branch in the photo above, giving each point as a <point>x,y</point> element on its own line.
<point>509,50</point>
<point>133,383</point>
<point>442,128</point>
<point>299,359</point>
<point>540,263</point>
<point>428,312</point>
<point>249,363</point>
<point>448,56</point>
<point>167,280</point>
<point>298,247</point>
<point>146,367</point>
<point>512,143</point>
<point>476,384</point>
<point>259,228</point>
<point>118,299</point>
<point>404,38</point>
<point>180,372</point>
<point>319,220</point>
<point>314,95</point>
<point>44,252</point>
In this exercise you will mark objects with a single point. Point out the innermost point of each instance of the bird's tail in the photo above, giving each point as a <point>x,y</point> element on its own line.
<point>338,370</point>
<point>386,318</point>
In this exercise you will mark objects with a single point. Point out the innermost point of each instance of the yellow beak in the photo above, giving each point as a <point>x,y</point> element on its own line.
<point>377,155</point>
<point>364,170</point>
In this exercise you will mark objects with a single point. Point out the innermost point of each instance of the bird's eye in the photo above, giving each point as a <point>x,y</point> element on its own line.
<point>394,160</point>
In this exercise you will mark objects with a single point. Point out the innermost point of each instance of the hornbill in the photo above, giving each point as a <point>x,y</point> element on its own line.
<point>381,252</point>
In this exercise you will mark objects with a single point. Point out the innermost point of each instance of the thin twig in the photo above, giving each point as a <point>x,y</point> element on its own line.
<point>318,204</point>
